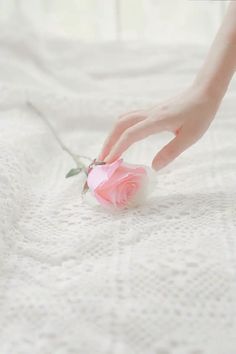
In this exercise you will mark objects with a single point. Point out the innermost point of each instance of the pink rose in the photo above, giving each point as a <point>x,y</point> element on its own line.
<point>118,184</point>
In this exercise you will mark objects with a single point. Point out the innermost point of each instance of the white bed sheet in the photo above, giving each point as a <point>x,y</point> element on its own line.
<point>74,278</point>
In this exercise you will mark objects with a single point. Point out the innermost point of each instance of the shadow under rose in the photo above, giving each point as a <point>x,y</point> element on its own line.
<point>177,205</point>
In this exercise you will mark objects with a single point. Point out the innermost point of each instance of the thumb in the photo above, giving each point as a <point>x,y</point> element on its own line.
<point>170,151</point>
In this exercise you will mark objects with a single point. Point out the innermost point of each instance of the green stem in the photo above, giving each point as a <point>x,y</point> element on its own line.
<point>75,157</point>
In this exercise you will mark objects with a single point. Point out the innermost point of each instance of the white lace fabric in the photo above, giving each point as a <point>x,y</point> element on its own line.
<point>77,279</point>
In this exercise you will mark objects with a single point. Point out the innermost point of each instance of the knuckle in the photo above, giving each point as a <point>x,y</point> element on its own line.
<point>120,122</point>
<point>166,116</point>
<point>126,116</point>
<point>121,119</point>
<point>153,122</point>
<point>119,126</point>
<point>159,118</point>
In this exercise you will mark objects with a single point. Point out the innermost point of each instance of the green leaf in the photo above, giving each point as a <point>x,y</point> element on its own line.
<point>74,172</point>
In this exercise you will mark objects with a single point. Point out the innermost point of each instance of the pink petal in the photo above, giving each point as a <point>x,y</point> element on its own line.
<point>101,173</point>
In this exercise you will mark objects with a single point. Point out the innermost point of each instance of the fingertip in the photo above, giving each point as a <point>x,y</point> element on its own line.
<point>110,158</point>
<point>114,154</point>
<point>104,152</point>
<point>101,156</point>
<point>154,167</point>
<point>158,163</point>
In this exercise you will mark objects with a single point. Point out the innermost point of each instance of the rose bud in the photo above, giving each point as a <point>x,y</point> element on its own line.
<point>119,184</point>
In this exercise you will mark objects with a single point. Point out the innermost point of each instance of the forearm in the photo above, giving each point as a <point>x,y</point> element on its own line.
<point>220,65</point>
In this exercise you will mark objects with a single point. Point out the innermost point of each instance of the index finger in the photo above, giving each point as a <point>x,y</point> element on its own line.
<point>121,125</point>
<point>138,132</point>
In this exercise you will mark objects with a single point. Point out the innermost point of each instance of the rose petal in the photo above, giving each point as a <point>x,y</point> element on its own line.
<point>102,173</point>
<point>118,184</point>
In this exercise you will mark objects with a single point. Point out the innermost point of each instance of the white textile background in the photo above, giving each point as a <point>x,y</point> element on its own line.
<point>74,278</point>
<point>95,20</point>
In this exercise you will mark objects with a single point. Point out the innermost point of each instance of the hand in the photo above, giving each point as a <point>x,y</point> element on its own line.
<point>187,116</point>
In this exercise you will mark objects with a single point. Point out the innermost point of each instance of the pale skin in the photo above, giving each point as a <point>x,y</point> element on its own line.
<point>187,115</point>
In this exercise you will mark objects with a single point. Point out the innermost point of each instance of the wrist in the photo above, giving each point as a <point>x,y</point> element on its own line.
<point>210,91</point>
